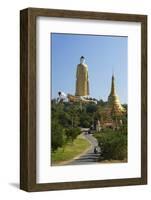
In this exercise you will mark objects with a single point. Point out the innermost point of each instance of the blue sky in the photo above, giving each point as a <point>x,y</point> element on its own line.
<point>104,55</point>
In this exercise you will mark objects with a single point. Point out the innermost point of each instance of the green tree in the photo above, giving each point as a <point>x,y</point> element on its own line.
<point>72,133</point>
<point>85,120</point>
<point>64,119</point>
<point>113,145</point>
<point>91,108</point>
<point>74,115</point>
<point>57,135</point>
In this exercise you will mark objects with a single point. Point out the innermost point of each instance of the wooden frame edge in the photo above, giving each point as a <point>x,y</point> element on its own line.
<point>28,99</point>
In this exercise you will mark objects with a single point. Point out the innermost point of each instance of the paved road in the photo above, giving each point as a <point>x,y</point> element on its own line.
<point>89,157</point>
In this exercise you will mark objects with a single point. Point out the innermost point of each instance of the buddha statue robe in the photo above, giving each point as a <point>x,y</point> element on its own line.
<point>82,82</point>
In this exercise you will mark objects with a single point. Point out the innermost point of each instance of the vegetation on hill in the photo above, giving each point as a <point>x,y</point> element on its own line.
<point>67,119</point>
<point>113,144</point>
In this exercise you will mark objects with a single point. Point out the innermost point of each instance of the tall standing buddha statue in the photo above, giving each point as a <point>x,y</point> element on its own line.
<point>82,81</point>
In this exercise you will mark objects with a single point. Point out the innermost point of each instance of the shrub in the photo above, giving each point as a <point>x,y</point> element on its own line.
<point>113,145</point>
<point>72,133</point>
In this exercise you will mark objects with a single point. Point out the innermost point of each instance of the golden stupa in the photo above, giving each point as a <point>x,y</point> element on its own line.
<point>111,114</point>
<point>114,102</point>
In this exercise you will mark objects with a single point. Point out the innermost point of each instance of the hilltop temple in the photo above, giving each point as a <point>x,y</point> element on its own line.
<point>111,114</point>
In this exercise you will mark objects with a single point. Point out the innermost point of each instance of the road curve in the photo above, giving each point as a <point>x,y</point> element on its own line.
<point>89,157</point>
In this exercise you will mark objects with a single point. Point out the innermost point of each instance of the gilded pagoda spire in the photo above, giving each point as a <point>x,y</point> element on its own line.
<point>113,109</point>
<point>113,99</point>
<point>113,91</point>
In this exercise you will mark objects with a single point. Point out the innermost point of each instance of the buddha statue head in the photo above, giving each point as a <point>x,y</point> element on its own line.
<point>82,60</point>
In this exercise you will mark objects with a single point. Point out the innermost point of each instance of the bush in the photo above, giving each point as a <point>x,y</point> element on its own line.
<point>72,133</point>
<point>113,145</point>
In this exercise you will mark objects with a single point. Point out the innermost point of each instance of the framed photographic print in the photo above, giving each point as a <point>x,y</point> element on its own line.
<point>83,99</point>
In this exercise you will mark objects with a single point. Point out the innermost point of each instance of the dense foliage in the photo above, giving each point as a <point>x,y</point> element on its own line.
<point>113,144</point>
<point>66,122</point>
<point>69,118</point>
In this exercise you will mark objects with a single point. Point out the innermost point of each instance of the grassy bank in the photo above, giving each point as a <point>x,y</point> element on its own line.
<point>71,150</point>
